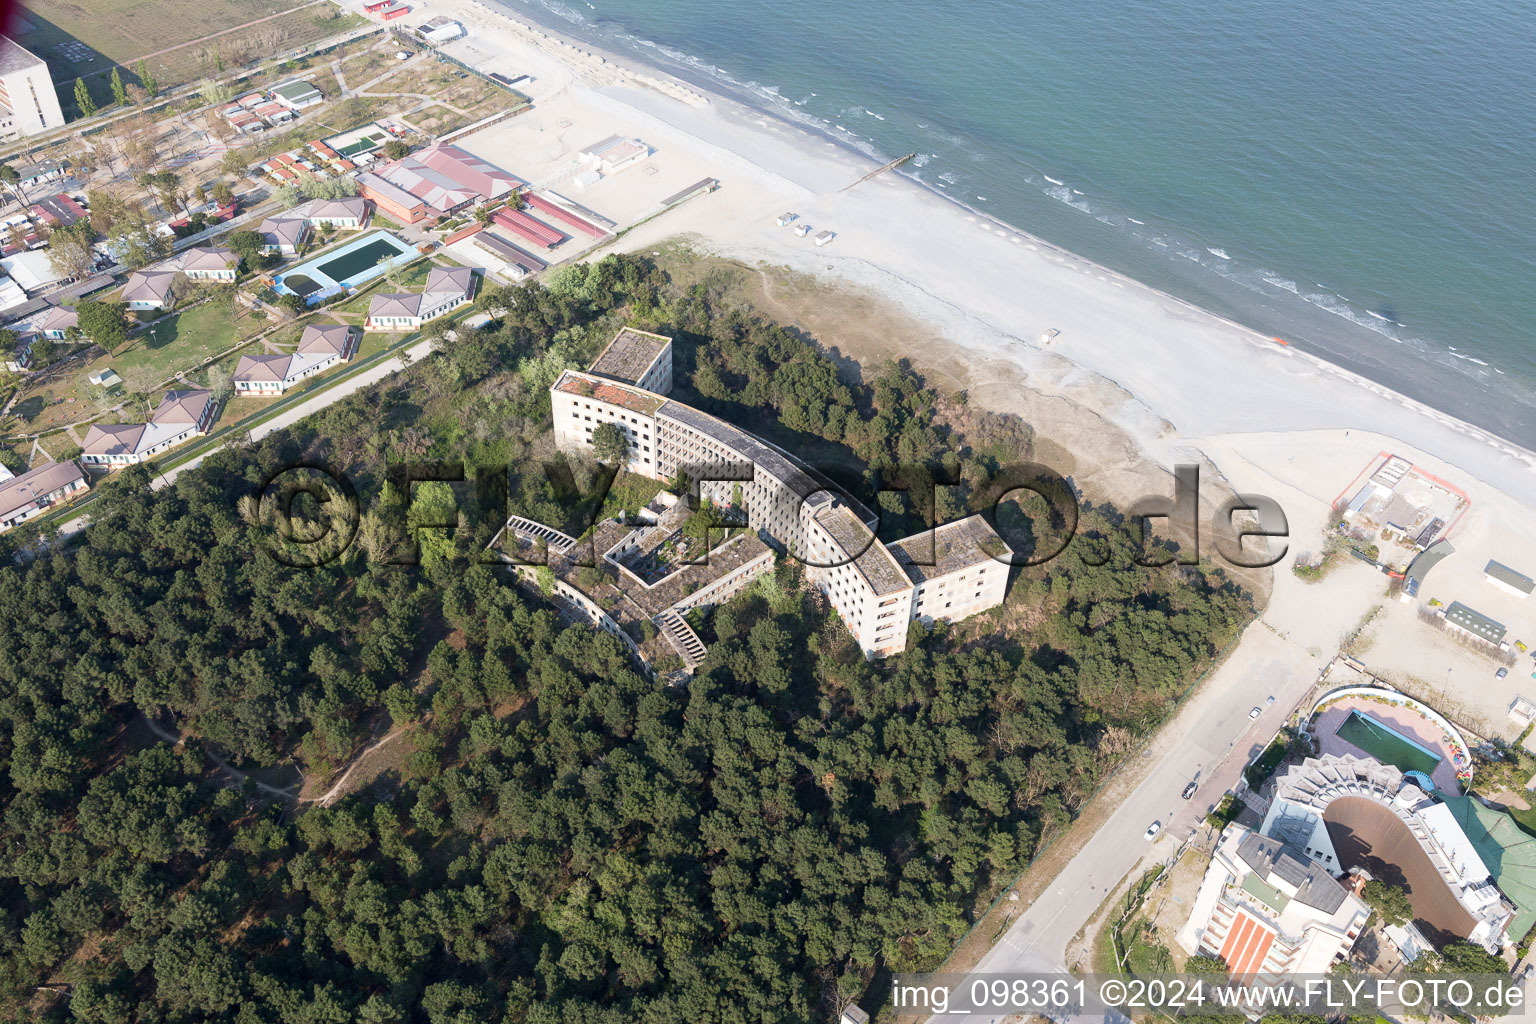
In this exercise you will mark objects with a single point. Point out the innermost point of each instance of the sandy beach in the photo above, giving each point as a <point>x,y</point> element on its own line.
<point>1136,382</point>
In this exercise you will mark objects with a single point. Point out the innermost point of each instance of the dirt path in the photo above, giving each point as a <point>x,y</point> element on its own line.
<point>224,766</point>
<point>336,790</point>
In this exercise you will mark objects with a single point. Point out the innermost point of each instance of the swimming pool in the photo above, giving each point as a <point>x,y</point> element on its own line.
<point>360,260</point>
<point>1387,745</point>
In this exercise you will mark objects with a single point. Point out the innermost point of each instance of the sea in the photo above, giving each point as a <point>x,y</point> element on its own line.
<point>1357,177</point>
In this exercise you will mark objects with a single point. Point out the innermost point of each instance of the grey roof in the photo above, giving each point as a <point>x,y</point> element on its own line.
<point>394,304</point>
<point>15,57</point>
<point>181,407</point>
<point>949,548</point>
<point>324,338</point>
<point>262,367</point>
<point>1475,622</point>
<point>1400,513</point>
<point>206,257</point>
<point>1504,574</point>
<point>286,230</point>
<point>146,285</point>
<point>454,280</point>
<point>800,479</point>
<point>37,483</point>
<point>1315,887</point>
<point>870,557</point>
<point>295,90</point>
<point>1427,560</point>
<point>59,318</point>
<point>334,209</point>
<point>509,252</point>
<point>112,438</point>
<point>629,355</point>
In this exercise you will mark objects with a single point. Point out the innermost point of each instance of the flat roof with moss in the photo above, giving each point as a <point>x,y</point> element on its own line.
<point>574,382</point>
<point>870,557</point>
<point>629,355</point>
<point>949,548</point>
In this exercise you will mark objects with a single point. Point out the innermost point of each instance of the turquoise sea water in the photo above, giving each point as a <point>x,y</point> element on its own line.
<point>1358,176</point>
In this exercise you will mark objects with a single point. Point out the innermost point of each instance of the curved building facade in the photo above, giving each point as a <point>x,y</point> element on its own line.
<point>878,590</point>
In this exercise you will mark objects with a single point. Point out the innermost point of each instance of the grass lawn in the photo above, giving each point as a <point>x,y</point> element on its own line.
<point>182,341</point>
<point>439,120</point>
<point>119,32</point>
<point>179,342</point>
<point>361,68</point>
<point>452,85</point>
<point>58,445</point>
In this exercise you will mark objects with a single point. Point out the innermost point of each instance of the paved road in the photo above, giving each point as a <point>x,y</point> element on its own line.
<point>1212,739</point>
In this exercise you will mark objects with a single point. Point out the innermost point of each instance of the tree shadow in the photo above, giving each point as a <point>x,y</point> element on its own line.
<point>29,408</point>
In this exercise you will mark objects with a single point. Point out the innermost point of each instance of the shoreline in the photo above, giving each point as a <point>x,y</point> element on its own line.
<point>786,155</point>
<point>1350,346</point>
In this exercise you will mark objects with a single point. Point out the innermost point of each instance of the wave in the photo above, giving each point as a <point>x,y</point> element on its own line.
<point>1064,195</point>
<point>1268,282</point>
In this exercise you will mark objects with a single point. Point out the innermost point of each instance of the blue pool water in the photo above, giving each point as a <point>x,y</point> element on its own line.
<point>359,261</point>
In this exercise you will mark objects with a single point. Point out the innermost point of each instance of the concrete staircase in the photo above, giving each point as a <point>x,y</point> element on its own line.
<point>682,638</point>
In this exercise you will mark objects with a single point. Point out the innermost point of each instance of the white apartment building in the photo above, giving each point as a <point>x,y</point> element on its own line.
<point>28,104</point>
<point>1270,912</point>
<point>941,575</point>
<point>639,358</point>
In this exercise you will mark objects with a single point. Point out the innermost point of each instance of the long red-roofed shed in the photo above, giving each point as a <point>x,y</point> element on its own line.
<point>524,226</point>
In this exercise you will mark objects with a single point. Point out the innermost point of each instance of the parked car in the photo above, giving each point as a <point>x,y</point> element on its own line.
<point>1189,790</point>
<point>1269,700</point>
<point>1153,829</point>
<point>1255,713</point>
<point>1501,673</point>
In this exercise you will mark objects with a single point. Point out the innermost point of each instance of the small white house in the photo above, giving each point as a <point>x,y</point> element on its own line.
<point>447,289</point>
<point>180,416</point>
<point>283,234</point>
<point>148,289</point>
<point>614,154</point>
<point>321,347</point>
<point>208,263</point>
<point>351,212</point>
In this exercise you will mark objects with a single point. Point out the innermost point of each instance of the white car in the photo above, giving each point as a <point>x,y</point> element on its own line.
<point>1255,713</point>
<point>1152,830</point>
